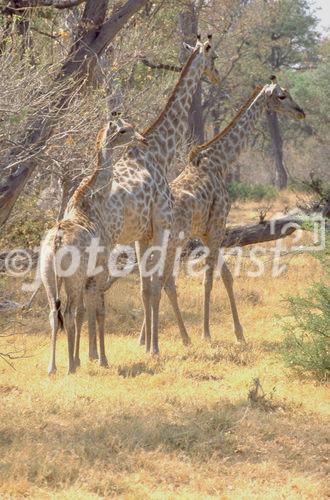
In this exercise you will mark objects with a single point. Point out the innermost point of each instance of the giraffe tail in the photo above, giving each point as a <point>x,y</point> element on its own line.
<point>59,314</point>
<point>49,279</point>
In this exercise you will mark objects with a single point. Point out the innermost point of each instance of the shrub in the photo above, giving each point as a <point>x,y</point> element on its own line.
<point>27,224</point>
<point>306,346</point>
<point>255,192</point>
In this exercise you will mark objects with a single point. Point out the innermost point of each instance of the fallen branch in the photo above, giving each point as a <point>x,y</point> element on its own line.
<point>242,236</point>
<point>262,232</point>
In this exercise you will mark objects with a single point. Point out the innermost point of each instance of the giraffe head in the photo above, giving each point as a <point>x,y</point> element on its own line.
<point>120,133</point>
<point>279,99</point>
<point>209,57</point>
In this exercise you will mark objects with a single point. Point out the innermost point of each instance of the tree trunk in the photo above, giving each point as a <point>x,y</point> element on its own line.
<point>188,23</point>
<point>94,35</point>
<point>281,175</point>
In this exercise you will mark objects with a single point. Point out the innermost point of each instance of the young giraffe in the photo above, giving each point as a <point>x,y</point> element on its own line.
<point>136,205</point>
<point>201,202</point>
<point>81,223</point>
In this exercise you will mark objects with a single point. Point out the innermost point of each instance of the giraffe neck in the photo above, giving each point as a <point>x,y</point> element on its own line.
<point>98,183</point>
<point>102,175</point>
<point>226,147</point>
<point>169,130</point>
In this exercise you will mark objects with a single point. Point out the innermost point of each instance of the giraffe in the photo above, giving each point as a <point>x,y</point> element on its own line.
<point>82,223</point>
<point>135,206</point>
<point>200,198</point>
<point>139,207</point>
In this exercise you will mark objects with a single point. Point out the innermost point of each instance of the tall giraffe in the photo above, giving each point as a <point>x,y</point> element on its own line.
<point>200,198</point>
<point>137,204</point>
<point>81,223</point>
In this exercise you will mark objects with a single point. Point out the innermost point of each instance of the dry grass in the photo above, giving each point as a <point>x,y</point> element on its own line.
<point>177,426</point>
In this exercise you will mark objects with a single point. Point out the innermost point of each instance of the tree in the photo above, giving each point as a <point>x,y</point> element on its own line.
<point>292,34</point>
<point>94,35</point>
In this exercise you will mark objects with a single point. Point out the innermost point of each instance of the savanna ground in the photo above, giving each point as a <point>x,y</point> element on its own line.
<point>176,426</point>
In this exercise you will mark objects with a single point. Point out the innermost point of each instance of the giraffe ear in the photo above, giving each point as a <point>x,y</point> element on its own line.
<point>188,47</point>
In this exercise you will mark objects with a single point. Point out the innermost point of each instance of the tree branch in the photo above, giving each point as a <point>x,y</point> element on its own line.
<point>167,67</point>
<point>31,4</point>
<point>114,24</point>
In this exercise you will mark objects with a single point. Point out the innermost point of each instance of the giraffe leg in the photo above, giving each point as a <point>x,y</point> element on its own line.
<point>145,293</point>
<point>155,300</point>
<point>70,326</point>
<point>100,317</point>
<point>146,298</point>
<point>158,282</point>
<point>142,336</point>
<point>228,282</point>
<point>79,321</point>
<point>208,284</point>
<point>53,319</point>
<point>90,299</point>
<point>170,290</point>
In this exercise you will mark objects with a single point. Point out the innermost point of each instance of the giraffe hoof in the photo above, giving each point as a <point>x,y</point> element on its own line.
<point>71,370</point>
<point>104,362</point>
<point>239,334</point>
<point>142,341</point>
<point>77,362</point>
<point>52,370</point>
<point>186,341</point>
<point>206,337</point>
<point>154,351</point>
<point>93,357</point>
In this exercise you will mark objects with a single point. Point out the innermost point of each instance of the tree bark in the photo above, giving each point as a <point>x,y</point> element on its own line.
<point>94,35</point>
<point>281,175</point>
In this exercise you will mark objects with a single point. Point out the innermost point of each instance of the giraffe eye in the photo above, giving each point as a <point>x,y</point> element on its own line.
<point>122,131</point>
<point>282,97</point>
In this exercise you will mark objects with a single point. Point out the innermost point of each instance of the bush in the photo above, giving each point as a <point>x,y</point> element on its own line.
<point>307,344</point>
<point>255,192</point>
<point>26,225</point>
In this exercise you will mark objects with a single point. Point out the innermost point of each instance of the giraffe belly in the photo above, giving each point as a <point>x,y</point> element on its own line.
<point>137,220</point>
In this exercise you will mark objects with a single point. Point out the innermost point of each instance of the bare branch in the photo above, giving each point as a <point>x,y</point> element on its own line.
<point>11,7</point>
<point>167,67</point>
